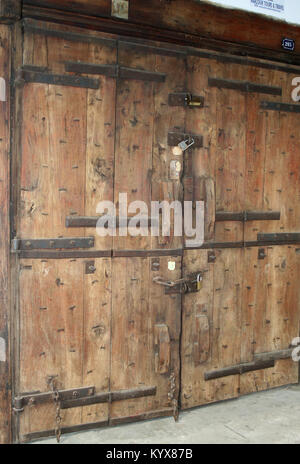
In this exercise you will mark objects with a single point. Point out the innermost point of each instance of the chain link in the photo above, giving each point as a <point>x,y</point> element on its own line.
<point>57,402</point>
<point>173,397</point>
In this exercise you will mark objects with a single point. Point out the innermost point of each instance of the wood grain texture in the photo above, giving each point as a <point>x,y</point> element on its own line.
<point>220,302</point>
<point>102,321</point>
<point>167,118</point>
<point>134,141</point>
<point>184,21</point>
<point>5,367</point>
<point>270,314</point>
<point>140,305</point>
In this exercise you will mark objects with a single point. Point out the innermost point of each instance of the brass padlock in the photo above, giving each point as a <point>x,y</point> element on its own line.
<point>199,282</point>
<point>194,101</point>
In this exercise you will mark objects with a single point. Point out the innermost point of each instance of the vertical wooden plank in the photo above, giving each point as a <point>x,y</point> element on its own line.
<point>97,334</point>
<point>132,333</point>
<point>134,141</point>
<point>100,151</point>
<point>53,159</point>
<point>51,335</point>
<point>220,302</point>
<point>67,108</point>
<point>5,367</point>
<point>255,146</point>
<point>35,176</point>
<point>274,323</point>
<point>194,390</point>
<point>166,310</point>
<point>140,308</point>
<point>274,165</point>
<point>228,279</point>
<point>200,163</point>
<point>167,118</point>
<point>230,153</point>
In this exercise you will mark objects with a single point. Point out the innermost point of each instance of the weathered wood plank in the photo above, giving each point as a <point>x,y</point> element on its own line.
<point>242,31</point>
<point>270,316</point>
<point>5,317</point>
<point>51,314</point>
<point>134,142</point>
<point>230,143</point>
<point>97,335</point>
<point>163,187</point>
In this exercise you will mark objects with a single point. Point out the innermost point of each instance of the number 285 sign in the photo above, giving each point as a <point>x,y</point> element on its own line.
<point>288,44</point>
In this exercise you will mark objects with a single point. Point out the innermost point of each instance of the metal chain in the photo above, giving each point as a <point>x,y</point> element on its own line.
<point>172,396</point>
<point>58,417</point>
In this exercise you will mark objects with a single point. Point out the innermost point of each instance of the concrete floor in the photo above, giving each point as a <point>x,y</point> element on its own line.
<point>264,418</point>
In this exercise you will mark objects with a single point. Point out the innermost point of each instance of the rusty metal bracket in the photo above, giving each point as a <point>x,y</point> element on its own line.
<point>190,284</point>
<point>243,86</point>
<point>262,253</point>
<point>31,399</point>
<point>90,267</point>
<point>239,369</point>
<point>114,71</point>
<point>39,76</point>
<point>211,257</point>
<point>108,397</point>
<point>186,99</point>
<point>281,238</point>
<point>278,106</point>
<point>18,245</point>
<point>247,216</point>
<point>175,138</point>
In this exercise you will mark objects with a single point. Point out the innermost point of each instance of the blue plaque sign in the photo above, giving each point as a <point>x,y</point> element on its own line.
<point>288,44</point>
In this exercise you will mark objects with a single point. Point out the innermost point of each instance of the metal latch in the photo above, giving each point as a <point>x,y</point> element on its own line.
<point>194,101</point>
<point>186,144</point>
<point>186,99</point>
<point>190,284</point>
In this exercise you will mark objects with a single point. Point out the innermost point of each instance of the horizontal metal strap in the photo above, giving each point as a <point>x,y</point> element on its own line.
<point>108,397</point>
<point>287,238</point>
<point>114,70</point>
<point>277,106</point>
<point>92,221</point>
<point>274,355</point>
<point>73,254</point>
<point>244,86</point>
<point>52,243</point>
<point>95,425</point>
<point>238,369</point>
<point>110,70</point>
<point>39,398</point>
<point>42,77</point>
<point>30,28</point>
<point>242,60</point>
<point>246,216</point>
<point>140,47</point>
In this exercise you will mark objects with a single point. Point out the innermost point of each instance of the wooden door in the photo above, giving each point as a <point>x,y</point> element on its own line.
<point>238,331</point>
<point>99,342</point>
<point>98,339</point>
